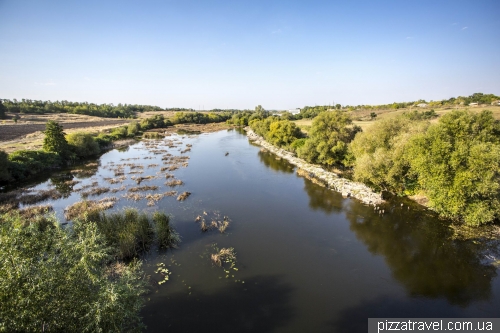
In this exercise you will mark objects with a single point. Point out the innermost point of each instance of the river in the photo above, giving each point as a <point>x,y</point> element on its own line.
<point>308,260</point>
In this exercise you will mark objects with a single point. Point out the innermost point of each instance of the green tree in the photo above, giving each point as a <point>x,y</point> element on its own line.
<point>379,154</point>
<point>328,138</point>
<point>458,165</point>
<point>282,133</point>
<point>3,110</point>
<point>4,167</point>
<point>55,140</point>
<point>56,279</point>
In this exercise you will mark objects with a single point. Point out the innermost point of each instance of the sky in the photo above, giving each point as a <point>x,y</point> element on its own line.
<point>239,54</point>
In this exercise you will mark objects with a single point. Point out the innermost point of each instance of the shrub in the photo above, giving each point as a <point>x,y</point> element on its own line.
<point>328,138</point>
<point>118,133</point>
<point>83,144</point>
<point>133,128</point>
<point>458,162</point>
<point>26,163</point>
<point>56,280</point>
<point>380,154</point>
<point>282,133</point>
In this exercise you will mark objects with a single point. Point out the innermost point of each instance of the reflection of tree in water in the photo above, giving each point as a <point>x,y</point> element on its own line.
<point>418,248</point>
<point>62,183</point>
<point>270,161</point>
<point>323,198</point>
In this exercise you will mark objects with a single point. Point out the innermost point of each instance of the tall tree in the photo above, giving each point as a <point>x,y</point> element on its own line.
<point>55,140</point>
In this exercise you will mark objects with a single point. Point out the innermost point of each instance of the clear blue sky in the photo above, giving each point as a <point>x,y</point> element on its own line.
<point>238,54</point>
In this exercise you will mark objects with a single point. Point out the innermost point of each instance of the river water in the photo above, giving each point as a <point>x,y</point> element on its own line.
<point>308,260</point>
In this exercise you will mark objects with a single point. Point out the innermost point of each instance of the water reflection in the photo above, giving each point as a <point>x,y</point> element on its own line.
<point>63,183</point>
<point>262,304</point>
<point>421,254</point>
<point>271,161</point>
<point>322,198</point>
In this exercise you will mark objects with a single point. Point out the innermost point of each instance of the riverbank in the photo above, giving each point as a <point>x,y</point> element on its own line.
<point>331,180</point>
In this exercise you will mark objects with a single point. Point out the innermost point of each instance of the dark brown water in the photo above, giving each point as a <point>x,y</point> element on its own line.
<point>307,259</point>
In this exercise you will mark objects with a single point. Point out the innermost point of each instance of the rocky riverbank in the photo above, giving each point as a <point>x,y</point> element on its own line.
<point>331,180</point>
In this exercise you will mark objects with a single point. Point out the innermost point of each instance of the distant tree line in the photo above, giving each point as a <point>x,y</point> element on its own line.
<point>455,162</point>
<point>90,109</point>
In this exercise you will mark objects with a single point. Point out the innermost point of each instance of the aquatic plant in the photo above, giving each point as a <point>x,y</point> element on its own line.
<point>42,195</point>
<point>95,191</point>
<point>143,188</point>
<point>175,182</point>
<point>88,207</point>
<point>35,211</point>
<point>166,236</point>
<point>183,196</point>
<point>225,255</point>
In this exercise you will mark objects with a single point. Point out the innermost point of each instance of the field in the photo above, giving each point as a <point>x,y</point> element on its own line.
<point>27,132</point>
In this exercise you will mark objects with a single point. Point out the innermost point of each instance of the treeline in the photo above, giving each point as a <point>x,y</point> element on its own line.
<point>455,162</point>
<point>313,111</point>
<point>201,118</point>
<point>85,108</point>
<point>479,98</point>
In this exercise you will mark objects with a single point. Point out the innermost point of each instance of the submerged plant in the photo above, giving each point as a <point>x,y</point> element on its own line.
<point>224,255</point>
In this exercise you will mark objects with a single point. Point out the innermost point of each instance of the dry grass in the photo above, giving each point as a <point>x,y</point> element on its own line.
<point>143,188</point>
<point>154,198</point>
<point>115,180</point>
<point>95,191</point>
<point>138,180</point>
<point>80,208</point>
<point>225,255</point>
<point>183,196</point>
<point>118,189</point>
<point>42,195</point>
<point>35,211</point>
<point>175,182</point>
<point>170,193</point>
<point>133,196</point>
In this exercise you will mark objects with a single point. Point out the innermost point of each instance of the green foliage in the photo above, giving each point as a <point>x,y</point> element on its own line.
<point>4,167</point>
<point>312,112</point>
<point>118,133</point>
<point>328,139</point>
<point>282,133</point>
<point>200,118</point>
<point>296,144</point>
<point>133,128</point>
<point>131,233</point>
<point>379,155</point>
<point>415,115</point>
<point>3,110</point>
<point>55,140</point>
<point>458,162</point>
<point>83,144</point>
<point>56,280</point>
<point>166,236</point>
<point>27,163</point>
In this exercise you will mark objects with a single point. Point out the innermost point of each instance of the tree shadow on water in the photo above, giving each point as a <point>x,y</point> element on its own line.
<point>261,304</point>
<point>274,162</point>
